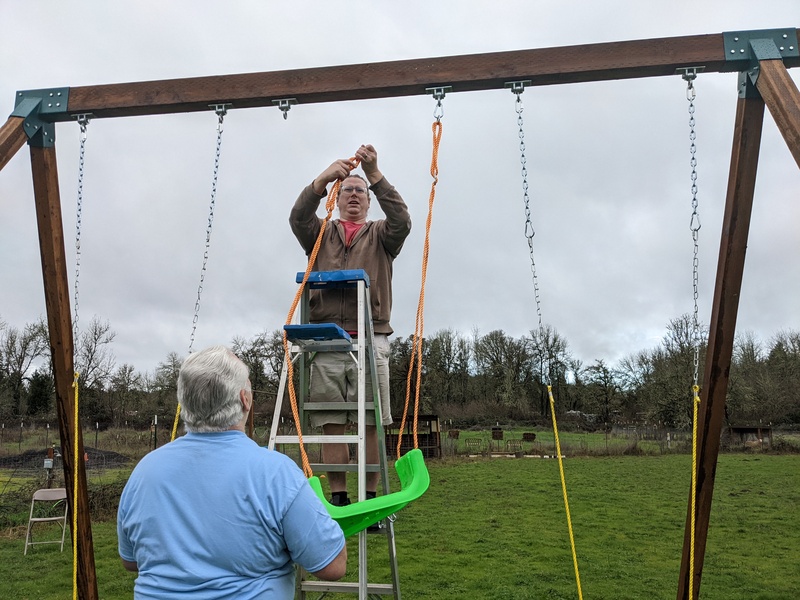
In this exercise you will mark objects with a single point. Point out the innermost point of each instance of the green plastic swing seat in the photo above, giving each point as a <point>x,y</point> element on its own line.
<point>414,481</point>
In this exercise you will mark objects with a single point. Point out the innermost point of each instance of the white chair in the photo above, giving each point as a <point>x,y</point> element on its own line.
<point>48,505</point>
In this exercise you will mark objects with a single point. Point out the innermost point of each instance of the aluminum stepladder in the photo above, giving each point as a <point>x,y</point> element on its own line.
<point>306,341</point>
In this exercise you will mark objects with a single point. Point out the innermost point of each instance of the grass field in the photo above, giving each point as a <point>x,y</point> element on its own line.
<point>496,529</point>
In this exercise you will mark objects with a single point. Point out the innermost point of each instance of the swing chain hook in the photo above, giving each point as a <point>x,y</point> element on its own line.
<point>285,105</point>
<point>438,95</point>
<point>221,110</point>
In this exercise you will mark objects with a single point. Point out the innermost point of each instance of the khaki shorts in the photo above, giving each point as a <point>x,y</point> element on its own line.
<point>334,378</point>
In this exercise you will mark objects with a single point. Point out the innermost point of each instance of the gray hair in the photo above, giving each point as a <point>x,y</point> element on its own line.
<point>209,384</point>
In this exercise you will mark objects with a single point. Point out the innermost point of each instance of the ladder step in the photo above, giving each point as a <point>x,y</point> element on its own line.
<point>323,346</point>
<point>335,406</point>
<point>319,337</point>
<point>317,439</point>
<point>338,468</point>
<point>345,587</point>
<point>334,279</point>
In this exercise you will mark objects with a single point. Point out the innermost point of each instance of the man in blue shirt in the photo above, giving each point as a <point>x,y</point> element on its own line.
<point>212,515</point>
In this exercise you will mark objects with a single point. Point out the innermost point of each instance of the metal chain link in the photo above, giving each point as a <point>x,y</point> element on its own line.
<point>83,122</point>
<point>694,223</point>
<point>221,110</point>
<point>517,88</point>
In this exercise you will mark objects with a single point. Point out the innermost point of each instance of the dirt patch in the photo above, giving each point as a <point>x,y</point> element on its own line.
<point>34,459</point>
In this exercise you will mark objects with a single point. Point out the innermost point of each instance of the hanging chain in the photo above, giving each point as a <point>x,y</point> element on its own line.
<point>83,121</point>
<point>517,88</point>
<point>689,75</point>
<point>221,110</point>
<point>694,223</point>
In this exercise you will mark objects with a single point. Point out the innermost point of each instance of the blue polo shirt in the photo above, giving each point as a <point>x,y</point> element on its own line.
<point>215,516</point>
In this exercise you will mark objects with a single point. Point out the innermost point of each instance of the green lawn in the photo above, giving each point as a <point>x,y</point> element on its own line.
<point>496,529</point>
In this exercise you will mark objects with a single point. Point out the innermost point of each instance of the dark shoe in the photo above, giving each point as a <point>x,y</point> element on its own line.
<point>376,527</point>
<point>337,501</point>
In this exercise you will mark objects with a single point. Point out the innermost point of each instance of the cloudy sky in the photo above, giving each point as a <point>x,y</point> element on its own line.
<point>608,166</point>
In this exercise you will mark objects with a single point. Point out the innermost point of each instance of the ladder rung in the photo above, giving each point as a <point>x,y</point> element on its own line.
<point>317,439</point>
<point>345,587</point>
<point>336,468</point>
<point>315,331</point>
<point>319,337</point>
<point>335,279</point>
<point>335,406</point>
<point>325,345</point>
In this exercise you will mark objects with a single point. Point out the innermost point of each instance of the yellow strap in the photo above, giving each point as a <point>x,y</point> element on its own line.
<point>75,459</point>
<point>695,406</point>
<point>174,424</point>
<point>564,490</point>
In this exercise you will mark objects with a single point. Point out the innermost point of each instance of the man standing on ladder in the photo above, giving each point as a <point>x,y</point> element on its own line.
<point>351,242</point>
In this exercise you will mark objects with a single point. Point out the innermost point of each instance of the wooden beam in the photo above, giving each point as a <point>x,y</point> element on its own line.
<point>730,268</point>
<point>59,322</point>
<point>547,66</point>
<point>783,100</point>
<point>12,138</point>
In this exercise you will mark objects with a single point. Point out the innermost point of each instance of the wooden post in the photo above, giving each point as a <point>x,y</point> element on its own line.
<point>735,228</point>
<point>59,321</point>
<point>12,138</point>
<point>782,98</point>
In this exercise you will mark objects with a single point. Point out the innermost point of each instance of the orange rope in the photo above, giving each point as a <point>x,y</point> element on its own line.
<point>329,204</point>
<point>416,351</point>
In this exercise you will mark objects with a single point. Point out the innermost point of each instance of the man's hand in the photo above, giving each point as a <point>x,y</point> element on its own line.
<point>369,162</point>
<point>339,169</point>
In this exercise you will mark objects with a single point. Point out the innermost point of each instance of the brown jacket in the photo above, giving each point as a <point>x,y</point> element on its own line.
<point>373,249</point>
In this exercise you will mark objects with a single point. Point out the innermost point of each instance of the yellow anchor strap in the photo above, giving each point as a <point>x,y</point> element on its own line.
<point>564,490</point>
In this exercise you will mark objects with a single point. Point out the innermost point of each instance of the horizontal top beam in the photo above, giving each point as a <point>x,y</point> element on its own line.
<point>546,66</point>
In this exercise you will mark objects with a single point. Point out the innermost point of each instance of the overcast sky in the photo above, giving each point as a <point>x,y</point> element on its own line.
<point>608,166</point>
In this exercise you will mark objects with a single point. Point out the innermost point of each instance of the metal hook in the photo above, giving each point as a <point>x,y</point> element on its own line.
<point>689,74</point>
<point>221,110</point>
<point>517,87</point>
<point>285,105</point>
<point>438,95</point>
<point>83,121</point>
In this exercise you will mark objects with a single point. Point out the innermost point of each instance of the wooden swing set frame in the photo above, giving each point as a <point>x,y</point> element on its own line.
<point>760,57</point>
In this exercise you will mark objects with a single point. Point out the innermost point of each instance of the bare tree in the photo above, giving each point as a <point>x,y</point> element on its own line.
<point>604,391</point>
<point>549,360</point>
<point>748,380</point>
<point>94,359</point>
<point>126,393</point>
<point>94,362</point>
<point>780,401</point>
<point>505,362</point>
<point>264,355</point>
<point>18,351</point>
<point>447,367</point>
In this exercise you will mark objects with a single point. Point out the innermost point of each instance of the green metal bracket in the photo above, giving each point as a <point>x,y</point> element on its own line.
<point>747,48</point>
<point>41,109</point>
<point>747,86</point>
<point>742,46</point>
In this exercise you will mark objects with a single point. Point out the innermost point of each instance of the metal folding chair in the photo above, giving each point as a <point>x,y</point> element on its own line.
<point>47,505</point>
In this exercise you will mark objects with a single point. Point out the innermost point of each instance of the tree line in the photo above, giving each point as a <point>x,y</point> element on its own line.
<point>471,379</point>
